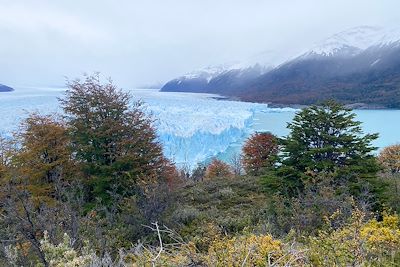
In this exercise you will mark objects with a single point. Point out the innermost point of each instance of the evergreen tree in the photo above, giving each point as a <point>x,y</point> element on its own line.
<point>326,139</point>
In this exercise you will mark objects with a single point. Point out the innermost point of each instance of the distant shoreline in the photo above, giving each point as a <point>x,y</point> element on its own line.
<point>358,106</point>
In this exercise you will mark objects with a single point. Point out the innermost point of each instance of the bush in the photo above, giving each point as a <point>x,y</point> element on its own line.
<point>358,243</point>
<point>249,250</point>
<point>63,254</point>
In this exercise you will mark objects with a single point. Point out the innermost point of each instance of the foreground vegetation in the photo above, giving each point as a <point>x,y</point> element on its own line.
<point>92,188</point>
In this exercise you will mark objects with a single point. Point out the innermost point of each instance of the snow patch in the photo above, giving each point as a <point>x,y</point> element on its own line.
<point>355,40</point>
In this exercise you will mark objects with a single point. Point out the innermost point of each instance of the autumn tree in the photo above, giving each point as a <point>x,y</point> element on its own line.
<point>259,152</point>
<point>43,161</point>
<point>389,157</point>
<point>34,190</point>
<point>112,138</point>
<point>218,168</point>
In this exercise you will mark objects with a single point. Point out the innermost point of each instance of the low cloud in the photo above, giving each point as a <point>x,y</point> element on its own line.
<point>145,42</point>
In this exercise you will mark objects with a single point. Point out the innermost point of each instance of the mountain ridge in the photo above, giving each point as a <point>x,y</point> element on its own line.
<point>360,65</point>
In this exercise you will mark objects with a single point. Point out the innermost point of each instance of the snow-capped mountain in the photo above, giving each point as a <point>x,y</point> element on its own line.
<point>349,42</point>
<point>361,65</point>
<point>355,40</point>
<point>231,74</point>
<point>209,72</point>
<point>210,79</point>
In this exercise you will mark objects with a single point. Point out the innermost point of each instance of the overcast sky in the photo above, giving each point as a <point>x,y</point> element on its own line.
<point>150,41</point>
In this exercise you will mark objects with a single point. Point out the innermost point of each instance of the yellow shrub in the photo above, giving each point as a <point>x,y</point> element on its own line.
<point>249,250</point>
<point>382,237</point>
<point>358,243</point>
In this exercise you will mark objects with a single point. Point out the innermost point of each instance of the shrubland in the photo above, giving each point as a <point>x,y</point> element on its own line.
<point>93,188</point>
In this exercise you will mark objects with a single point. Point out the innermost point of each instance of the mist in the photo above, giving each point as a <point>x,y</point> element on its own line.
<point>145,43</point>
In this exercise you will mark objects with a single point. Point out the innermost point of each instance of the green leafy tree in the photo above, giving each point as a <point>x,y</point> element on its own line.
<point>328,139</point>
<point>112,138</point>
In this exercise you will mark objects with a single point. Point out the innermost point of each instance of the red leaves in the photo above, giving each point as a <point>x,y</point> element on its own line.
<point>259,152</point>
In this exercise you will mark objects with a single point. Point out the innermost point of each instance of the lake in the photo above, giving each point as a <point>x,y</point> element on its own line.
<point>195,127</point>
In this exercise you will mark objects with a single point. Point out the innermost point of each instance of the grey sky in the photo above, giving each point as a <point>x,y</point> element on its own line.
<point>150,41</point>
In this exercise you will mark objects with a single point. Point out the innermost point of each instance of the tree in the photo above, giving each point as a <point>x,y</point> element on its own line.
<point>35,191</point>
<point>199,173</point>
<point>112,138</point>
<point>43,161</point>
<point>218,168</point>
<point>389,157</point>
<point>327,138</point>
<point>259,152</point>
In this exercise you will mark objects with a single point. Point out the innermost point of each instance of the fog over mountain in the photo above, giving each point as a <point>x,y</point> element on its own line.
<point>359,66</point>
<point>150,42</point>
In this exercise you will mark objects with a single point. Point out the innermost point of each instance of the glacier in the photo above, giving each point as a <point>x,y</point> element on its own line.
<point>191,127</point>
<point>196,127</point>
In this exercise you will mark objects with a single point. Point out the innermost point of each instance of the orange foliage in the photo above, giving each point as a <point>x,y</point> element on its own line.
<point>43,160</point>
<point>259,152</point>
<point>170,174</point>
<point>218,168</point>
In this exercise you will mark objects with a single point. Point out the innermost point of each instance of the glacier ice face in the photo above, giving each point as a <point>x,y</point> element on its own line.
<point>196,127</point>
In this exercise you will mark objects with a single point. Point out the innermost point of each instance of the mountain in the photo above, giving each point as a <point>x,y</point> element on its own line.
<point>4,88</point>
<point>215,80</point>
<point>360,65</point>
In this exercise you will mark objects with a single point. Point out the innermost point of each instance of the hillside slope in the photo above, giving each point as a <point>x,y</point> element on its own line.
<point>360,65</point>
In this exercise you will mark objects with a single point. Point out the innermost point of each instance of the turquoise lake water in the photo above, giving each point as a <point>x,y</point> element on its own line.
<point>384,122</point>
